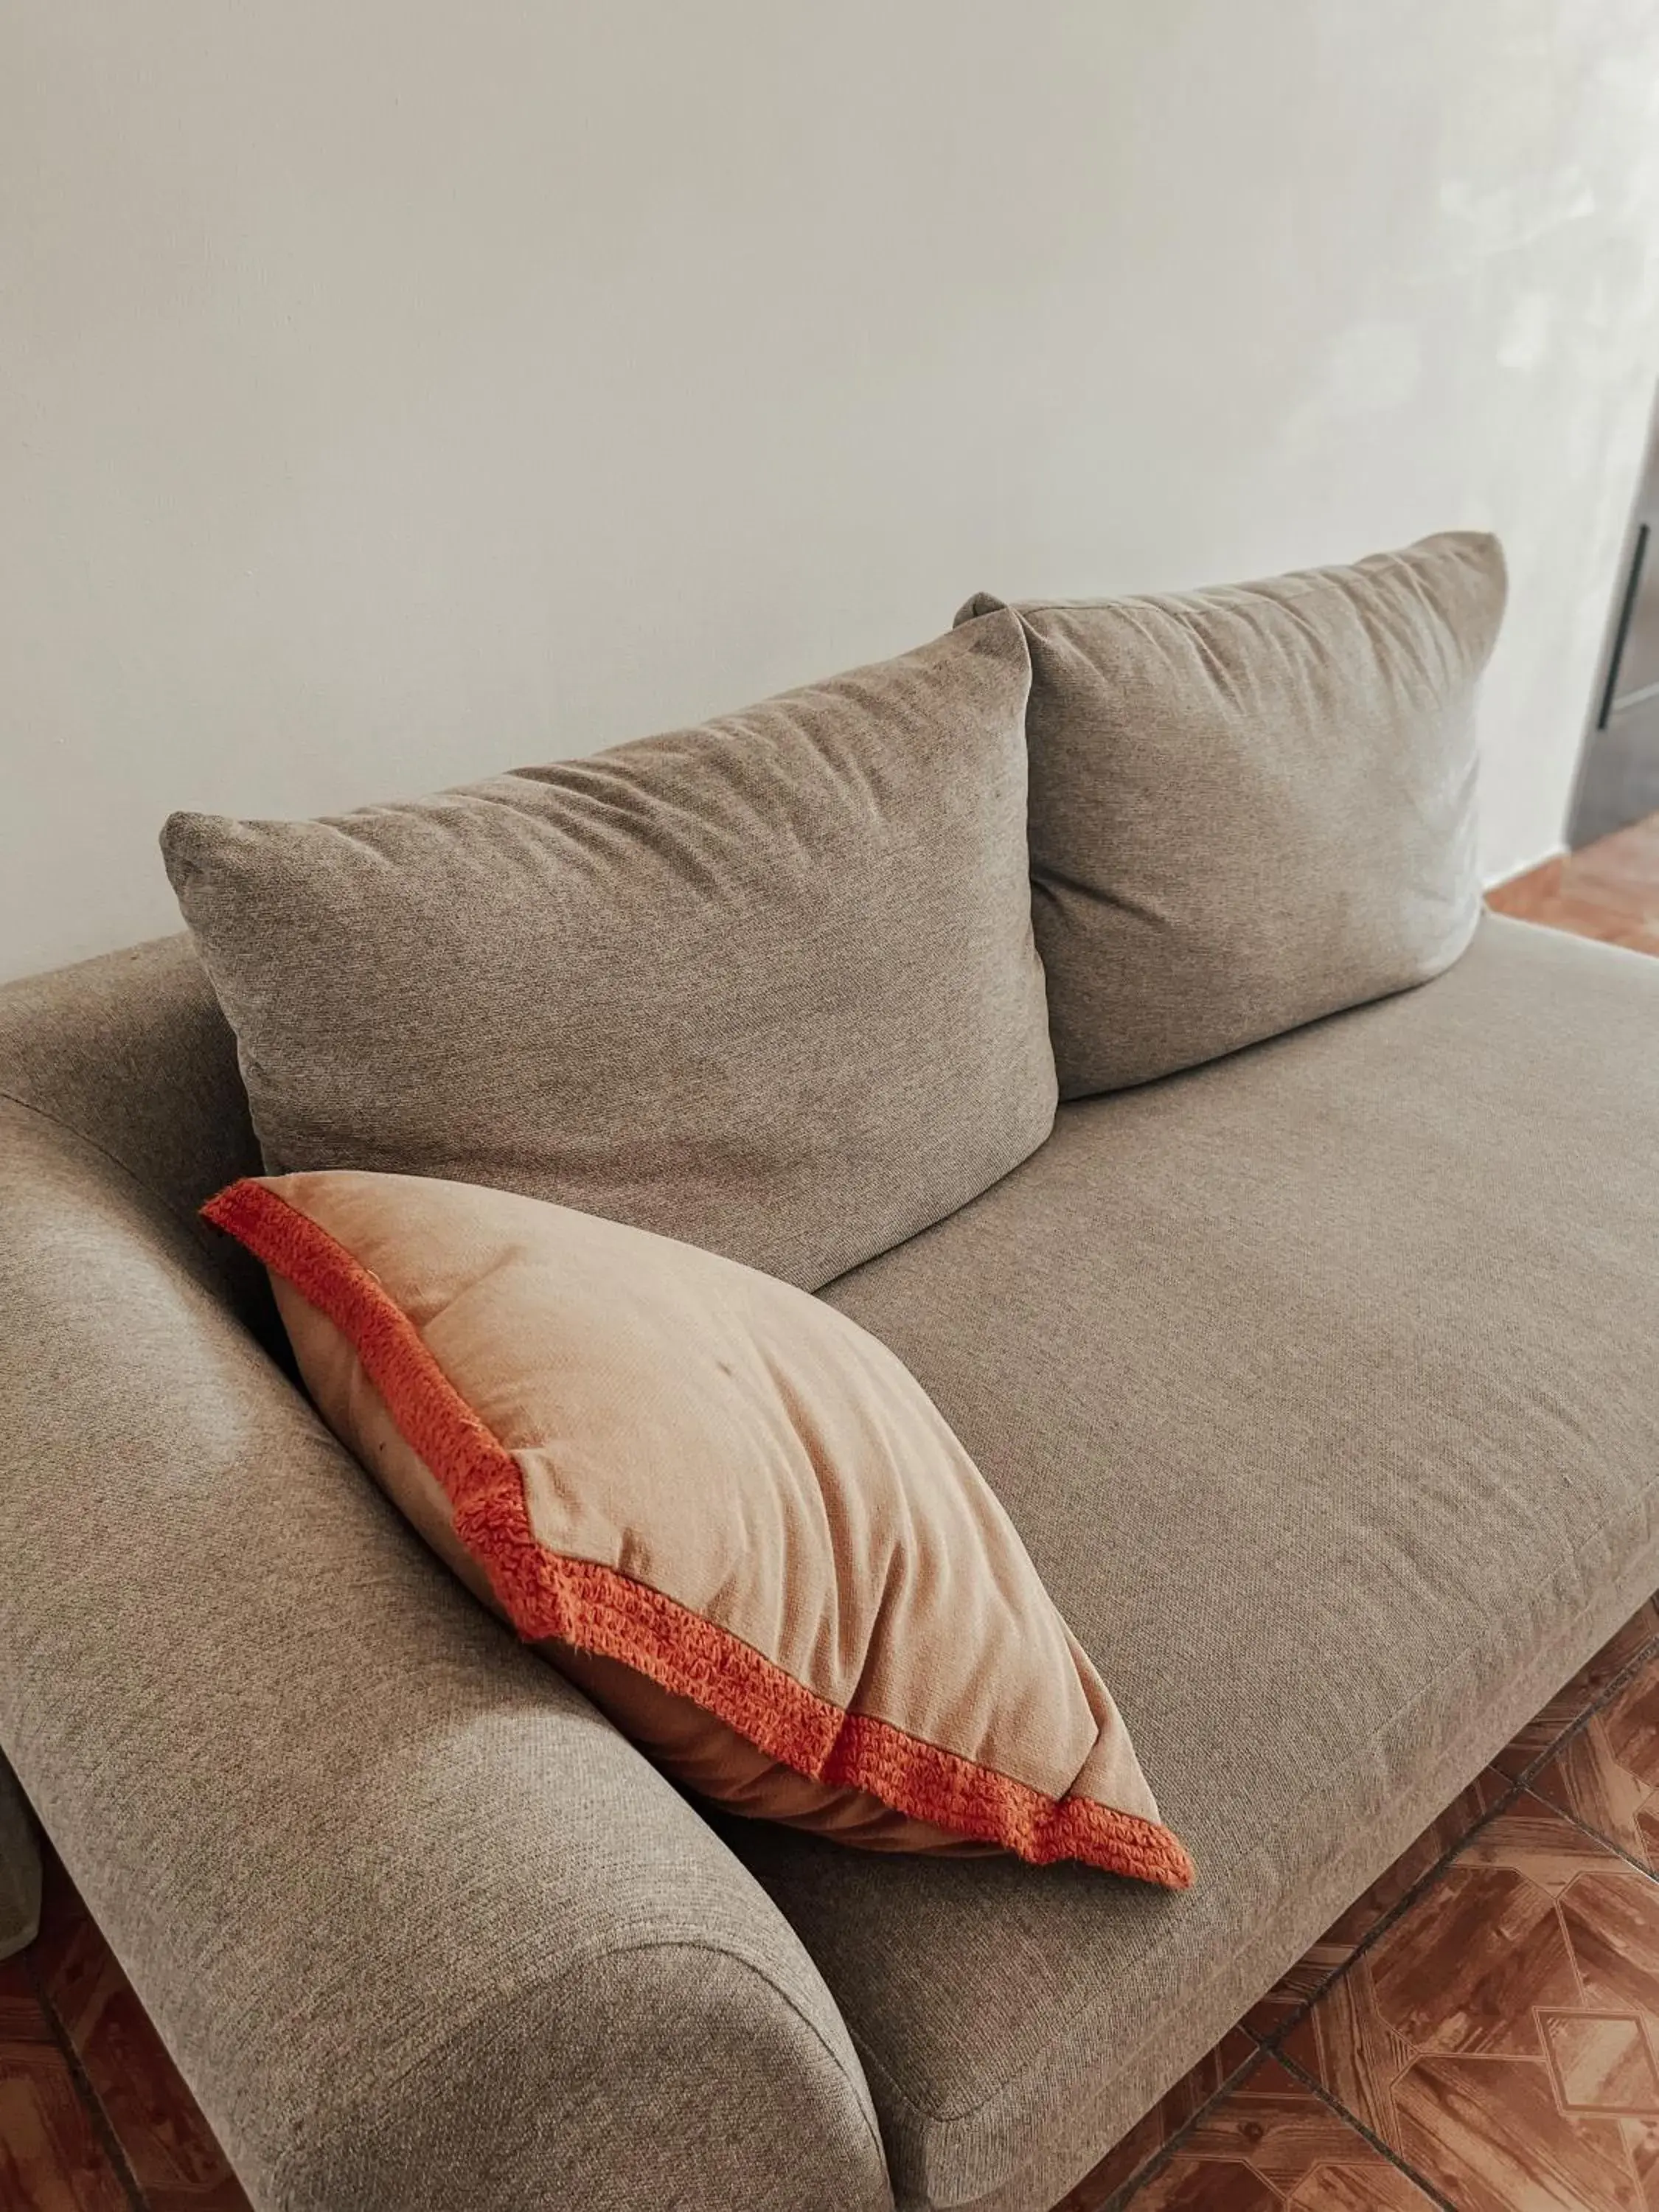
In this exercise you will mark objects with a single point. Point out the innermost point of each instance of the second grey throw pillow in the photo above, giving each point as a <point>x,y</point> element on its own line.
<point>1255,805</point>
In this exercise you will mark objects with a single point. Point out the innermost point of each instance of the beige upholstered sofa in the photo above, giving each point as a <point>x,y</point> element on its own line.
<point>1320,1381</point>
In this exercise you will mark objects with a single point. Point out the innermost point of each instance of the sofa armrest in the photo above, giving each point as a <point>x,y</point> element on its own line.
<point>421,1929</point>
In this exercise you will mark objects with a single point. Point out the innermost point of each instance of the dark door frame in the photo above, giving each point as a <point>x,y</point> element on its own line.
<point>1639,554</point>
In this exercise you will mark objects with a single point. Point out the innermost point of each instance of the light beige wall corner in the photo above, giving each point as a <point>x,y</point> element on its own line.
<point>396,392</point>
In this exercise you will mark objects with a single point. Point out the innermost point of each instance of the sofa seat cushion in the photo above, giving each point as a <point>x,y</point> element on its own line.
<point>1320,1383</point>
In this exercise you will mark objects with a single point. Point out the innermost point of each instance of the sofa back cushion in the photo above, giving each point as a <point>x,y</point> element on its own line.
<point>1252,806</point>
<point>768,984</point>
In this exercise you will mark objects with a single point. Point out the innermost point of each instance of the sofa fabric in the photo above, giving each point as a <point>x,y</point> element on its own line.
<point>1255,805</point>
<point>768,984</point>
<point>1285,1370</point>
<point>1376,1539</point>
<point>131,1052</point>
<point>421,1929</point>
<point>801,1596</point>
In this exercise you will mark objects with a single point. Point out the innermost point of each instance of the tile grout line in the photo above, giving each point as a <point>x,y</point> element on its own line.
<point>1518,1785</point>
<point>1576,1727</point>
<point>1615,1851</point>
<point>91,2103</point>
<point>1395,1913</point>
<point>1384,2151</point>
<point>1120,2197</point>
<point>1271,2046</point>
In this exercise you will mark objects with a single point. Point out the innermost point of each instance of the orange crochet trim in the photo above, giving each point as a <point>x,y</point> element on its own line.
<point>596,1608</point>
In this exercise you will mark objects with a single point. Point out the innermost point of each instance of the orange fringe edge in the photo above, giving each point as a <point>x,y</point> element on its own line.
<point>596,1608</point>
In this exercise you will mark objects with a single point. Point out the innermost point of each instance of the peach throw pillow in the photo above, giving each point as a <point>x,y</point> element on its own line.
<point>722,1508</point>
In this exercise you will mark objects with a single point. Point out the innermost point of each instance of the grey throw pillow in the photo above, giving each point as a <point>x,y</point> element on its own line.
<point>766,985</point>
<point>1255,805</point>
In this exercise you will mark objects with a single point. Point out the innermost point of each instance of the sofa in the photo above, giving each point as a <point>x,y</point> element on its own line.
<point>1316,1377</point>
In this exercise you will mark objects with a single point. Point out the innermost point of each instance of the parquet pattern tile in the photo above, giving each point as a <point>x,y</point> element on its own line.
<point>1148,2137</point>
<point>82,2072</point>
<point>1638,1637</point>
<point>51,2157</point>
<point>174,2162</point>
<point>1271,2144</point>
<point>1343,1938</point>
<point>1504,2036</point>
<point>1606,1776</point>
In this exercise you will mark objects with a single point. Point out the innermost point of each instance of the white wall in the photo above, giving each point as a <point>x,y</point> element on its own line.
<point>396,390</point>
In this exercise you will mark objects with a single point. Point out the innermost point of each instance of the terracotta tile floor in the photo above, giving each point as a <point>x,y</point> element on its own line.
<point>1610,890</point>
<point>93,2117</point>
<point>1479,2031</point>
